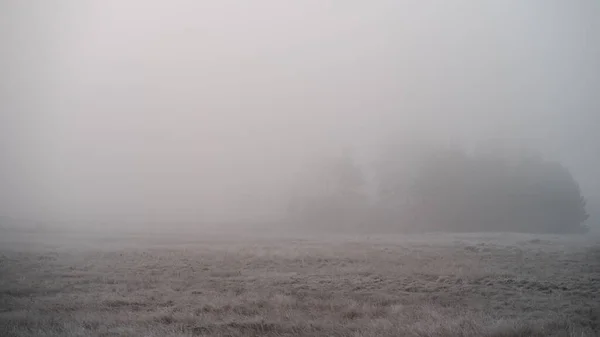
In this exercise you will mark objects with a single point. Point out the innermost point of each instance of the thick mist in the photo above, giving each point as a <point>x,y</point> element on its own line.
<point>208,110</point>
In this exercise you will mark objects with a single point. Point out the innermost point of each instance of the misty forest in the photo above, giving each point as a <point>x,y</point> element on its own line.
<point>300,168</point>
<point>444,190</point>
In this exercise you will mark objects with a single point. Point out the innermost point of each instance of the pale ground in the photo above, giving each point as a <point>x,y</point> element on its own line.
<point>82,284</point>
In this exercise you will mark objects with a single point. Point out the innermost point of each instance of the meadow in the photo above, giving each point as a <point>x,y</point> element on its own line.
<point>78,283</point>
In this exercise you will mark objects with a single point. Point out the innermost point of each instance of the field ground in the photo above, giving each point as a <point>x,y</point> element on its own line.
<point>78,284</point>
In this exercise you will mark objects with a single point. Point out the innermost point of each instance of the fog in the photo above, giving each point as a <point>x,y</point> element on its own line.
<point>207,110</point>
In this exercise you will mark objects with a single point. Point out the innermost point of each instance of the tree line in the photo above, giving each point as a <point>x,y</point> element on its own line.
<point>442,189</point>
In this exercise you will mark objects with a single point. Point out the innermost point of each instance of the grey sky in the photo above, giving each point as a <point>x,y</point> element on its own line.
<point>164,108</point>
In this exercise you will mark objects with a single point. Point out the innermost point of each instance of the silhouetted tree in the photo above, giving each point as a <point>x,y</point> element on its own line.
<point>495,191</point>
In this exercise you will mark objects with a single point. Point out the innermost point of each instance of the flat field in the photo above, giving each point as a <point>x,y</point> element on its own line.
<point>194,284</point>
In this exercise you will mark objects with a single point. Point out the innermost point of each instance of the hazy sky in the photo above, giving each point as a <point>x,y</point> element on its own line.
<point>192,109</point>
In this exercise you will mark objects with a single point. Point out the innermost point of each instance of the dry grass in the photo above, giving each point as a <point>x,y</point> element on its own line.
<point>426,285</point>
